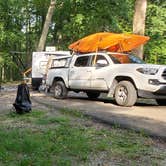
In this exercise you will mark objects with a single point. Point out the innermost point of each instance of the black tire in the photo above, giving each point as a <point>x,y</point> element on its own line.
<point>161,102</point>
<point>93,95</point>
<point>60,90</point>
<point>125,94</point>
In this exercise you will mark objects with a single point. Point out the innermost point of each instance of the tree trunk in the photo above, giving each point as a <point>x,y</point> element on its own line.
<point>139,23</point>
<point>46,26</point>
<point>3,73</point>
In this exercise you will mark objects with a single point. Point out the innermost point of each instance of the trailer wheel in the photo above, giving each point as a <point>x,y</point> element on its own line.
<point>60,90</point>
<point>125,94</point>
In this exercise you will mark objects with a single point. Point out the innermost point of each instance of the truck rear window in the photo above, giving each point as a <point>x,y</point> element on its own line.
<point>56,63</point>
<point>82,61</point>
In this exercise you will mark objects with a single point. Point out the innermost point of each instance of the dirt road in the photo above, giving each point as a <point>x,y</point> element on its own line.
<point>146,116</point>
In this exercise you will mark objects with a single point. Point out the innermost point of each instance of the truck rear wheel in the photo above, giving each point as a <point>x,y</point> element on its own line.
<point>60,90</point>
<point>125,94</point>
<point>93,95</point>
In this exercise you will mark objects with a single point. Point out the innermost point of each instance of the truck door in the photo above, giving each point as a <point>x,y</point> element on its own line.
<point>100,73</point>
<point>80,73</point>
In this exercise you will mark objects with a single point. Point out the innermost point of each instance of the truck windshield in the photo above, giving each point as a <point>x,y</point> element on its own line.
<point>124,58</point>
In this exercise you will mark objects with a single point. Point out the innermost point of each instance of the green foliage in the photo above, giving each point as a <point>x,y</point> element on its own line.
<point>21,23</point>
<point>80,18</point>
<point>156,16</point>
<point>1,61</point>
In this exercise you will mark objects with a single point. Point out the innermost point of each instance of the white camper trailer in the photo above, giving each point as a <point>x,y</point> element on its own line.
<point>39,65</point>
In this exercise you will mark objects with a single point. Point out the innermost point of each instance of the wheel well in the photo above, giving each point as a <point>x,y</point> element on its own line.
<point>57,79</point>
<point>125,78</point>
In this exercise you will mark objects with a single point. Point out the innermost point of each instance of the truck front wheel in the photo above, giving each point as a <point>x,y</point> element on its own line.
<point>125,94</point>
<point>60,90</point>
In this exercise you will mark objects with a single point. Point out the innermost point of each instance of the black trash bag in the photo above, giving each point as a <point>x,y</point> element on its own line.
<point>22,103</point>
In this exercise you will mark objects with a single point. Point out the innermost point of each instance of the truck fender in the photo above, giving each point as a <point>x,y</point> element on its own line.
<point>57,79</point>
<point>112,88</point>
<point>116,80</point>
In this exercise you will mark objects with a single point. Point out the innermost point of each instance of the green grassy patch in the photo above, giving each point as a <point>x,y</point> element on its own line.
<point>50,120</point>
<point>54,140</point>
<point>33,114</point>
<point>72,112</point>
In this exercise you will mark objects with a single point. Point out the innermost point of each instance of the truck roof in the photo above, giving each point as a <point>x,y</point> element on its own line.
<point>106,52</point>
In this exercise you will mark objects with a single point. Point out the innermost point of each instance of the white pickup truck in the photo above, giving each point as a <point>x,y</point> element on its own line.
<point>122,76</point>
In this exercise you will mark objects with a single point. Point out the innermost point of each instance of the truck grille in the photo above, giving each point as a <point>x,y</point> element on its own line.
<point>164,74</point>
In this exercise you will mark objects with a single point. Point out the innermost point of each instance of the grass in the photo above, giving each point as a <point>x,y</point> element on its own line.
<point>72,112</point>
<point>46,140</point>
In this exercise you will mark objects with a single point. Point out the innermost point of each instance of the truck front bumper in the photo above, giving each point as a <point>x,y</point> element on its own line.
<point>158,94</point>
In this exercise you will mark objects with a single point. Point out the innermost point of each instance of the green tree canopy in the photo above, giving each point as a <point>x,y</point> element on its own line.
<point>156,29</point>
<point>21,24</point>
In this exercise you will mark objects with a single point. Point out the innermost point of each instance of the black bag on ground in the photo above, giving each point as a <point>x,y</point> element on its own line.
<point>22,103</point>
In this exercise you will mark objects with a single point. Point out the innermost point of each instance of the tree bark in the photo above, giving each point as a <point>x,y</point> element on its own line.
<point>139,23</point>
<point>49,15</point>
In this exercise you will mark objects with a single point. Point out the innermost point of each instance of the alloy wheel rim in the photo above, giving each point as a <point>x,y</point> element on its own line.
<point>122,94</point>
<point>58,90</point>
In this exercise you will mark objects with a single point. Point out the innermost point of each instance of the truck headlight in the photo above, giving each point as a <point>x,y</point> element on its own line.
<point>148,71</point>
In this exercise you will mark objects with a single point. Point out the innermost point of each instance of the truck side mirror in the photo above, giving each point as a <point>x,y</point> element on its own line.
<point>101,63</point>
